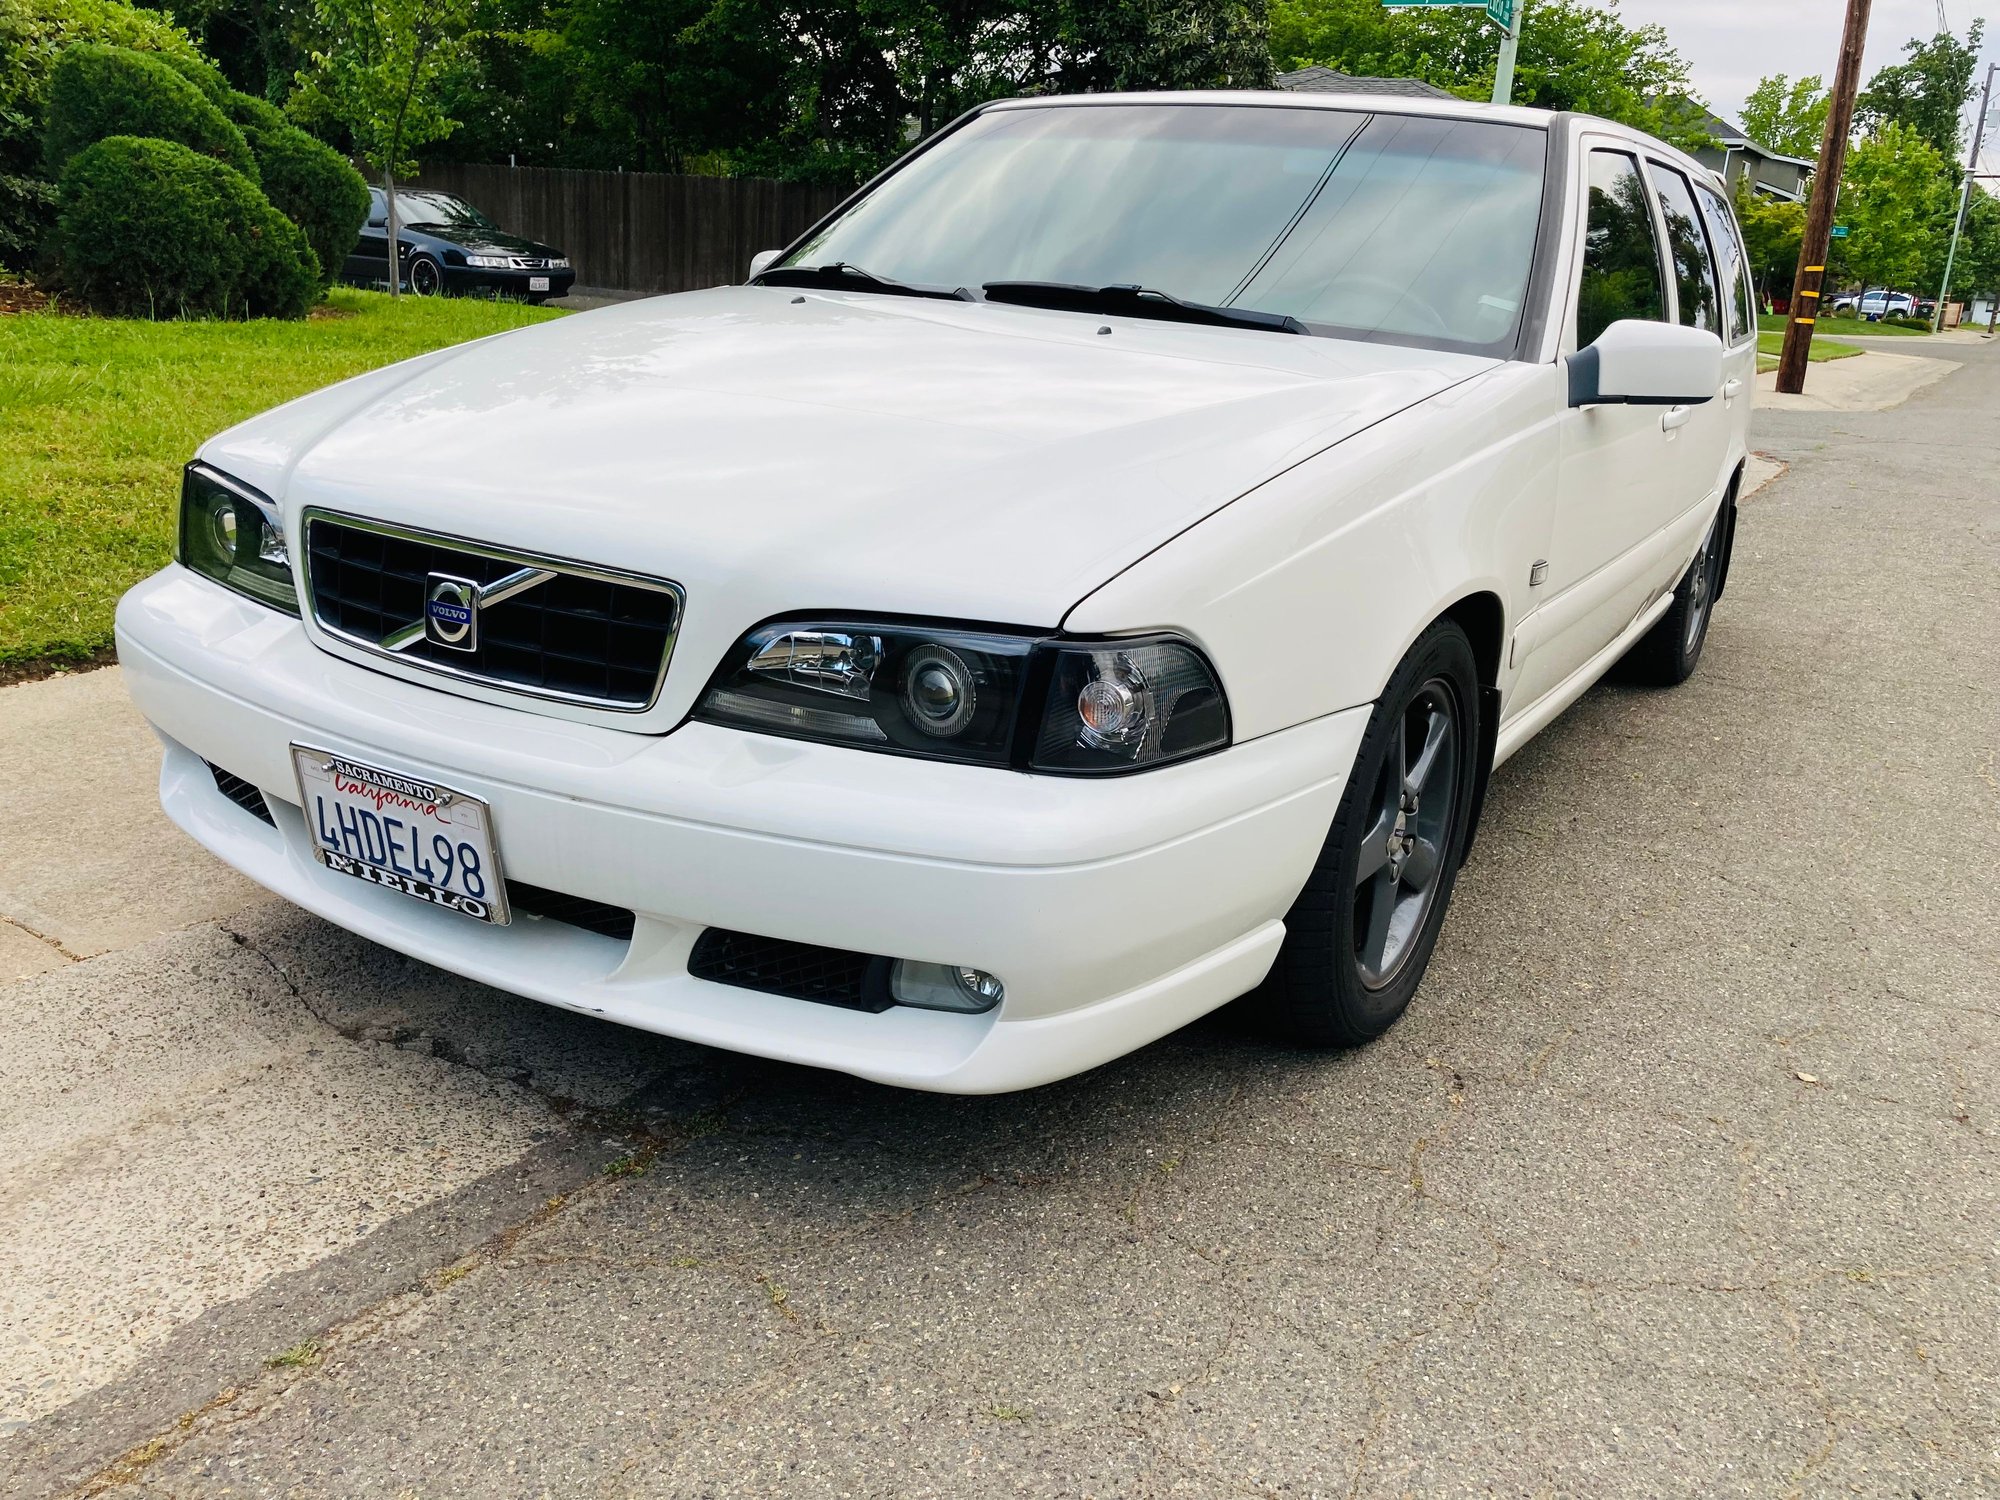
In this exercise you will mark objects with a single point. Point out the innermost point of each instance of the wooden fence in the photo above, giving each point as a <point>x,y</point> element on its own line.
<point>640,231</point>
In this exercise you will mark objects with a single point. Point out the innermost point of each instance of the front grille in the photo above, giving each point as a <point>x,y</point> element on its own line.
<point>591,916</point>
<point>584,635</point>
<point>830,976</point>
<point>241,792</point>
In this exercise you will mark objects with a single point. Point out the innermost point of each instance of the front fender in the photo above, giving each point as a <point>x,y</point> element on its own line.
<point>1310,589</point>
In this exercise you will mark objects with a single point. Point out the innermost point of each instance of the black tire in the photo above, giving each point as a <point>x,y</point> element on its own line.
<point>1324,990</point>
<point>426,276</point>
<point>1667,655</point>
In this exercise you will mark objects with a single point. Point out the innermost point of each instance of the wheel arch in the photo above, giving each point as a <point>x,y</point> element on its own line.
<point>1483,617</point>
<point>1729,495</point>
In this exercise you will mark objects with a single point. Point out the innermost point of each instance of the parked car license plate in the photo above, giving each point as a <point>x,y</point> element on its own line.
<point>538,283</point>
<point>402,831</point>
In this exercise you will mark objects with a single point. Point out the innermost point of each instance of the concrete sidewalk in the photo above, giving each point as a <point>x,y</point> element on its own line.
<point>1680,1178</point>
<point>1876,380</point>
<point>88,862</point>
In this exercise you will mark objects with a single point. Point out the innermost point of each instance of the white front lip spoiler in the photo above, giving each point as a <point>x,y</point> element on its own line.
<point>1168,905</point>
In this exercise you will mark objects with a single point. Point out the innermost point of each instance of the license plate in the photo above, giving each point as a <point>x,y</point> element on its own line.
<point>403,832</point>
<point>538,283</point>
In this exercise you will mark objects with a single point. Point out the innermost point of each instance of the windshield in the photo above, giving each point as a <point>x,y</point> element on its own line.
<point>438,208</point>
<point>1404,228</point>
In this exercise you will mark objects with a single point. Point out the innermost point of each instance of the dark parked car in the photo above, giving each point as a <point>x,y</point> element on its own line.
<point>450,248</point>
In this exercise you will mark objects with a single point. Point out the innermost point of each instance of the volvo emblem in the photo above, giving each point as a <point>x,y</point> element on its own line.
<point>451,612</point>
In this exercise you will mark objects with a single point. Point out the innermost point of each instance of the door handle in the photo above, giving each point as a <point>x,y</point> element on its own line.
<point>1676,416</point>
<point>1731,389</point>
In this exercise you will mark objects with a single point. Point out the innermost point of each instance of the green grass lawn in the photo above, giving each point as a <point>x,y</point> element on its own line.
<point>97,415</point>
<point>1771,345</point>
<point>1773,323</point>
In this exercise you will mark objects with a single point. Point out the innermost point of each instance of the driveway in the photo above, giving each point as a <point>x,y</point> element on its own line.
<point>1680,1178</point>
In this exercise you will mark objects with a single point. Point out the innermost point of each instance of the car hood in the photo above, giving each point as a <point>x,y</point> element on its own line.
<point>483,241</point>
<point>778,451</point>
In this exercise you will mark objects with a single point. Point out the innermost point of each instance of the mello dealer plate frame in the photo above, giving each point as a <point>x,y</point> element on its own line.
<point>388,796</point>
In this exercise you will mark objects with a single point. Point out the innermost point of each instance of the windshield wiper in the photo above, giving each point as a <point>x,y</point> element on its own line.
<point>844,277</point>
<point>1135,301</point>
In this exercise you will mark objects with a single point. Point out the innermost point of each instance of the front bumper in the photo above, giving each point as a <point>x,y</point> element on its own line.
<point>461,281</point>
<point>1114,911</point>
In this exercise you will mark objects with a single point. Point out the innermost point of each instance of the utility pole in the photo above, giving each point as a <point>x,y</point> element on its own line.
<point>1964,197</point>
<point>1825,193</point>
<point>1503,74</point>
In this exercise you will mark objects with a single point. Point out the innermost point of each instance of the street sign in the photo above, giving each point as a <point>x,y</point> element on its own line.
<point>1499,12</point>
<point>1840,231</point>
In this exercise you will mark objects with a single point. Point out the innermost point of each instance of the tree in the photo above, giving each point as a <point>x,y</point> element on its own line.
<point>1772,232</point>
<point>258,44</point>
<point>1928,92</point>
<point>375,70</point>
<point>1977,272</point>
<point>1786,115</point>
<point>1573,55</point>
<point>1897,201</point>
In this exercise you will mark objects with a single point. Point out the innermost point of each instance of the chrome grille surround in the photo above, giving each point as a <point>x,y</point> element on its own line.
<point>472,556</point>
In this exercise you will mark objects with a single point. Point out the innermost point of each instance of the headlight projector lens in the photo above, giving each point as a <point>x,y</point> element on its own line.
<point>938,691</point>
<point>223,517</point>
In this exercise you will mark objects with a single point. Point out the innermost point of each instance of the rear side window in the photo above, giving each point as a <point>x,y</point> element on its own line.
<point>1730,261</point>
<point>1621,254</point>
<point>1687,248</point>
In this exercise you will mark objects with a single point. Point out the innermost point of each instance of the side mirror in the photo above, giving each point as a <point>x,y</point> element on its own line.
<point>1636,363</point>
<point>761,262</point>
<point>379,221</point>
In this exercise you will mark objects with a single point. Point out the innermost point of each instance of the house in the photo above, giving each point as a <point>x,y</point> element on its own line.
<point>1317,80</point>
<point>1735,157</point>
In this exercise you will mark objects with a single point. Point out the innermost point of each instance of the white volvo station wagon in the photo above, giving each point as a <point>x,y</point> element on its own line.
<point>1087,578</point>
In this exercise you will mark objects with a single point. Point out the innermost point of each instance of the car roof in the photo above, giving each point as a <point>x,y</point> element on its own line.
<point>1387,104</point>
<point>1401,104</point>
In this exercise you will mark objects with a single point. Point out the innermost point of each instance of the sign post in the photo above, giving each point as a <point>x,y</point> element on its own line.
<point>1506,14</point>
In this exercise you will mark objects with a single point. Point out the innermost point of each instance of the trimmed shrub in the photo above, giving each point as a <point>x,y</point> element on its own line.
<point>96,92</point>
<point>149,228</point>
<point>253,116</point>
<point>308,181</point>
<point>202,74</point>
<point>33,33</point>
<point>1902,322</point>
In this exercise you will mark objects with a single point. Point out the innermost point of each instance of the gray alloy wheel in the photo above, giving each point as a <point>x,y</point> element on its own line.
<point>426,276</point>
<point>1668,653</point>
<point>1703,575</point>
<point>1402,851</point>
<point>1360,934</point>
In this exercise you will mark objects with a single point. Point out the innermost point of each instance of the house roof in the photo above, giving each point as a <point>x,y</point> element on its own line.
<point>1729,134</point>
<point>1317,80</point>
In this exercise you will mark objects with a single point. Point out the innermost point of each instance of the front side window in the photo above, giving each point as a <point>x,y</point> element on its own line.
<point>1687,247</point>
<point>1621,253</point>
<point>1730,261</point>
<point>1399,228</point>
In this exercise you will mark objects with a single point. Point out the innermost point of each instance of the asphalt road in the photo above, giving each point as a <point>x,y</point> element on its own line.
<point>1680,1178</point>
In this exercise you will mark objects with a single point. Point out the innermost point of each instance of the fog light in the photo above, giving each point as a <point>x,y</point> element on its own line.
<point>944,986</point>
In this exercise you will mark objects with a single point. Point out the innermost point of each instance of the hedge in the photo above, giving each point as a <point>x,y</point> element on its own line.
<point>33,34</point>
<point>97,91</point>
<point>150,228</point>
<point>203,74</point>
<point>308,181</point>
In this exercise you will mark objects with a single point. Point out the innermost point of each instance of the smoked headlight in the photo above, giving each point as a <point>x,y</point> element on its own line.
<point>232,534</point>
<point>1032,702</point>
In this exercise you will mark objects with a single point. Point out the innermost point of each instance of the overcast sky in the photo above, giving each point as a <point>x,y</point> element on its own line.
<point>1730,44</point>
